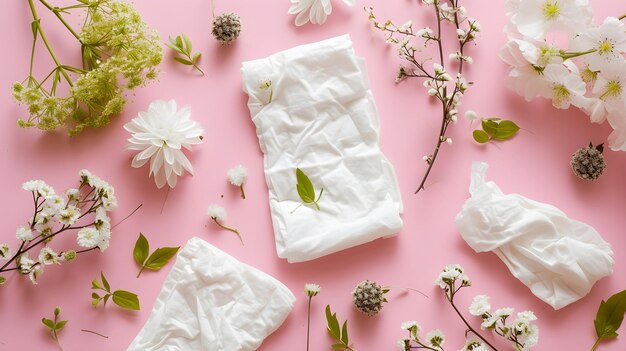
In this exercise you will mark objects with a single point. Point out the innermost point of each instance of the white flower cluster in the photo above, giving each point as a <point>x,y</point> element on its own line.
<point>55,214</point>
<point>520,331</point>
<point>433,340</point>
<point>589,74</point>
<point>448,278</point>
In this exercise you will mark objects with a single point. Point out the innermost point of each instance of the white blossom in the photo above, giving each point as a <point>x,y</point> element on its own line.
<point>217,212</point>
<point>312,289</point>
<point>480,305</point>
<point>314,11</point>
<point>47,256</point>
<point>534,18</point>
<point>24,233</point>
<point>69,215</point>
<point>5,252</point>
<point>607,42</point>
<point>160,134</point>
<point>88,237</point>
<point>435,338</point>
<point>237,175</point>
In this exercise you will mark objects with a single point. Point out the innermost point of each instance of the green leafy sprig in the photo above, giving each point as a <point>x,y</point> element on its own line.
<point>340,335</point>
<point>609,317</point>
<point>55,325</point>
<point>159,258</point>
<point>182,45</point>
<point>122,298</point>
<point>495,129</point>
<point>306,190</point>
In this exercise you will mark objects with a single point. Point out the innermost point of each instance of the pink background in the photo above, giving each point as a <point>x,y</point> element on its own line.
<point>535,164</point>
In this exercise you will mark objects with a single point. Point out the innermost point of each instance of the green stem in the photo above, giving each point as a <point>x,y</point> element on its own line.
<point>308,325</point>
<point>569,55</point>
<point>228,228</point>
<point>198,68</point>
<point>46,42</point>
<point>58,14</point>
<point>595,345</point>
<point>468,326</point>
<point>141,270</point>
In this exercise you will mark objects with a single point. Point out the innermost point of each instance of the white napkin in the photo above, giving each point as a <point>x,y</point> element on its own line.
<point>212,302</point>
<point>322,119</point>
<point>558,258</point>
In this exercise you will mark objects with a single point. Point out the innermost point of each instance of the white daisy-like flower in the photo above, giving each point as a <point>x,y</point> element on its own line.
<point>312,289</point>
<point>315,11</point>
<point>435,338</point>
<point>217,212</point>
<point>68,215</point>
<point>47,256</point>
<point>88,237</point>
<point>480,305</point>
<point>534,18</point>
<point>5,252</point>
<point>237,176</point>
<point>103,225</point>
<point>608,42</point>
<point>24,233</point>
<point>160,134</point>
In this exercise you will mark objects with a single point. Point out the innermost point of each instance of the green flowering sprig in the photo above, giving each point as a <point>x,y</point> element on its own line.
<point>181,44</point>
<point>55,325</point>
<point>119,53</point>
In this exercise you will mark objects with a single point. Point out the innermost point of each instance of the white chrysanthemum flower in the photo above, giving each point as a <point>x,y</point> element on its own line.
<point>47,256</point>
<point>566,87</point>
<point>88,237</point>
<point>534,18</point>
<point>503,312</point>
<point>480,305</point>
<point>608,42</point>
<point>315,11</point>
<point>69,215</point>
<point>24,233</point>
<point>312,289</point>
<point>217,212</point>
<point>160,134</point>
<point>435,338</point>
<point>5,252</point>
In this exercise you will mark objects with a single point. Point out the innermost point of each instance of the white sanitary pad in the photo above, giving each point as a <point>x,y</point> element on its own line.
<point>212,302</point>
<point>322,119</point>
<point>558,258</point>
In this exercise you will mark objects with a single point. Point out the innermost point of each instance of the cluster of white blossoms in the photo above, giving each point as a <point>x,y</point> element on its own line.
<point>589,74</point>
<point>522,334</point>
<point>55,214</point>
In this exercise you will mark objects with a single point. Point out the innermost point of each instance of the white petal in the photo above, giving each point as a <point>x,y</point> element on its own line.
<point>156,163</point>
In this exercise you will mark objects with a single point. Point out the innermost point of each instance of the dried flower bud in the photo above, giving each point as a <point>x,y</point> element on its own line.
<point>368,297</point>
<point>226,27</point>
<point>588,162</point>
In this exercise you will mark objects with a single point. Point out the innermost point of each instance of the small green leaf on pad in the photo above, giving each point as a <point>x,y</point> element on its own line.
<point>126,299</point>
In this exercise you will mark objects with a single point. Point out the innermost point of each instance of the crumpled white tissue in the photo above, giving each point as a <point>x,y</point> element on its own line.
<point>322,119</point>
<point>212,302</point>
<point>558,258</point>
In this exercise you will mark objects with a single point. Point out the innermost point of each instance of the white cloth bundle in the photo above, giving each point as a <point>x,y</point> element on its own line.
<point>558,258</point>
<point>322,119</point>
<point>212,302</point>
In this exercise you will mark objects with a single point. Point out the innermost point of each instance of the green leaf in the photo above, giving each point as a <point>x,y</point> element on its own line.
<point>95,302</point>
<point>34,26</point>
<point>187,43</point>
<point>173,46</point>
<point>107,287</point>
<point>305,187</point>
<point>333,324</point>
<point>160,257</point>
<point>48,323</point>
<point>2,280</point>
<point>126,299</point>
<point>106,299</point>
<point>141,250</point>
<point>338,346</point>
<point>344,333</point>
<point>196,57</point>
<point>95,284</point>
<point>179,43</point>
<point>95,296</point>
<point>489,126</point>
<point>506,130</point>
<point>183,61</point>
<point>60,325</point>
<point>480,136</point>
<point>610,316</point>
